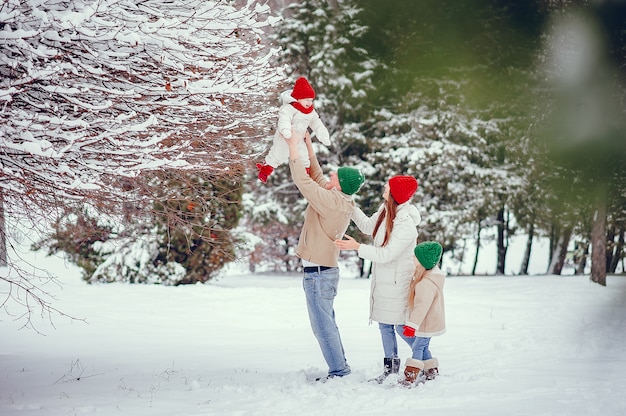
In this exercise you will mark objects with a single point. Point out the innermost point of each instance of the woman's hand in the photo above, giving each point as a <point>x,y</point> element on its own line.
<point>348,244</point>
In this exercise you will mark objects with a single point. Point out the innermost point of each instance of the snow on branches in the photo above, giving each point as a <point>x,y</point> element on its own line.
<point>93,92</point>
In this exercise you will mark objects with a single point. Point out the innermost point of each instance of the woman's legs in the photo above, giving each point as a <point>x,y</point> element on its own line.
<point>388,336</point>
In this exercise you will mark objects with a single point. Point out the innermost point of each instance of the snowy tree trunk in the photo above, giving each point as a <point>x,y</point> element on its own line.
<point>560,251</point>
<point>610,245</point>
<point>462,257</point>
<point>365,272</point>
<point>529,245</point>
<point>582,262</point>
<point>3,234</point>
<point>502,246</point>
<point>617,254</point>
<point>477,248</point>
<point>598,245</point>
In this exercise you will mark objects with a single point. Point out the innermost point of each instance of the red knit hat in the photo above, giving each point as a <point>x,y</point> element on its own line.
<point>302,89</point>
<point>402,188</point>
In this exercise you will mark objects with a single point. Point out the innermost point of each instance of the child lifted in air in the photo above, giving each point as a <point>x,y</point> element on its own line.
<point>297,114</point>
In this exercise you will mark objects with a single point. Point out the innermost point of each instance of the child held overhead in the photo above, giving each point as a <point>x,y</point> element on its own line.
<point>297,114</point>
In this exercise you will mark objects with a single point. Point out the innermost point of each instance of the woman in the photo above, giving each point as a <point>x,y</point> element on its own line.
<point>394,230</point>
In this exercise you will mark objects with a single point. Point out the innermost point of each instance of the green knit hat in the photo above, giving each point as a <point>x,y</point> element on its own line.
<point>350,179</point>
<point>428,253</point>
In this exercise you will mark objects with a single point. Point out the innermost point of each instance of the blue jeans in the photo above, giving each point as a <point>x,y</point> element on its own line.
<point>420,348</point>
<point>388,335</point>
<point>320,289</point>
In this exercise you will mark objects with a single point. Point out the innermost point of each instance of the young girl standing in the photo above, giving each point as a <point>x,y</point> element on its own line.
<point>426,317</point>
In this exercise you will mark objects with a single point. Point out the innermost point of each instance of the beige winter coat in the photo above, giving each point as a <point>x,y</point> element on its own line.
<point>392,268</point>
<point>326,217</point>
<point>428,315</point>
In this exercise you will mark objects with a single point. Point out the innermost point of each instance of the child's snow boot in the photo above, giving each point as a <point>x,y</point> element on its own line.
<point>391,366</point>
<point>412,372</point>
<point>431,369</point>
<point>264,171</point>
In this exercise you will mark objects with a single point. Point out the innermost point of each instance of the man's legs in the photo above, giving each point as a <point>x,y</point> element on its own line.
<point>320,289</point>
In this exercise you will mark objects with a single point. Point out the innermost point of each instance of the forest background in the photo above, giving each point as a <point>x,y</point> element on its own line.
<point>130,131</point>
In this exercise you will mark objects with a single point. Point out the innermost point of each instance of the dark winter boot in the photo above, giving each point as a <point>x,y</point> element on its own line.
<point>391,366</point>
<point>264,171</point>
<point>431,369</point>
<point>412,372</point>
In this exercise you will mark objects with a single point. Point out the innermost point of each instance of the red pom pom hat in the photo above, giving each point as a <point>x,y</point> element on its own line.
<point>302,89</point>
<point>402,188</point>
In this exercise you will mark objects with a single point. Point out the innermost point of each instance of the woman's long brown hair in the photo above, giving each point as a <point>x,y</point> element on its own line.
<point>389,213</point>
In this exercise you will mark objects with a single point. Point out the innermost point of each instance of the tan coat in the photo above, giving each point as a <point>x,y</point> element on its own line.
<point>326,217</point>
<point>428,315</point>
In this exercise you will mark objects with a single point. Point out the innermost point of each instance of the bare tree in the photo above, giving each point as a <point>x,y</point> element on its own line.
<point>95,93</point>
<point>598,243</point>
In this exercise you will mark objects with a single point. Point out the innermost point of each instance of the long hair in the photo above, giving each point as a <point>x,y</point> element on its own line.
<point>419,274</point>
<point>388,214</point>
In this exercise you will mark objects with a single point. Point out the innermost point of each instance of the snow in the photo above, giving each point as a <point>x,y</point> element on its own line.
<point>242,345</point>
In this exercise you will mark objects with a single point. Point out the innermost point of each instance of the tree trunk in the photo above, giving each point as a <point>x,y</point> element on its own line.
<point>598,244</point>
<point>364,273</point>
<point>368,273</point>
<point>618,253</point>
<point>462,257</point>
<point>560,251</point>
<point>529,245</point>
<point>502,247</point>
<point>582,261</point>
<point>3,234</point>
<point>610,246</point>
<point>554,232</point>
<point>477,248</point>
<point>334,4</point>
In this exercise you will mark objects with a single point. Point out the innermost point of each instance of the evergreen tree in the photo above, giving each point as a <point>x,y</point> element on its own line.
<point>321,43</point>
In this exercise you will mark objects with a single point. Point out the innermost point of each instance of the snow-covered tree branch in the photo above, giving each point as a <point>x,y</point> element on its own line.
<point>96,93</point>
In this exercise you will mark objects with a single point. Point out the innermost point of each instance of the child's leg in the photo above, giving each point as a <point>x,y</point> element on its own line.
<point>400,332</point>
<point>279,152</point>
<point>420,348</point>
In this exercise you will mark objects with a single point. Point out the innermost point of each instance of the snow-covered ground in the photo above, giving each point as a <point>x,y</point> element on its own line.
<point>242,345</point>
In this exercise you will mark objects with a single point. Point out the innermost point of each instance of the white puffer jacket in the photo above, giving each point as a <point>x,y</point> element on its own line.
<point>291,118</point>
<point>392,268</point>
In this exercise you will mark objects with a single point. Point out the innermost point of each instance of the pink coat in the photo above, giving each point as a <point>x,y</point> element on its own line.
<point>428,315</point>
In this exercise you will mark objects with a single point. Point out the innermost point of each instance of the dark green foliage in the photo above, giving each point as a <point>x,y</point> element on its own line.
<point>185,238</point>
<point>75,235</point>
<point>194,224</point>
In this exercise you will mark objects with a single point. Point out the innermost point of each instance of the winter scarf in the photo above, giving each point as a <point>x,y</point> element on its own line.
<point>301,108</point>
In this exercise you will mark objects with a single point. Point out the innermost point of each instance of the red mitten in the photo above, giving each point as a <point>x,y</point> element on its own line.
<point>408,331</point>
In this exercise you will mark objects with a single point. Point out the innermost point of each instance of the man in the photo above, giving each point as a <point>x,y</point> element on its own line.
<point>326,219</point>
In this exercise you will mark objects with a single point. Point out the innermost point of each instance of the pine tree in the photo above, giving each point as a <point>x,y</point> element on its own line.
<point>321,43</point>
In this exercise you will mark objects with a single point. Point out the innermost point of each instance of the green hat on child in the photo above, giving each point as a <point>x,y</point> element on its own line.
<point>350,179</point>
<point>428,253</point>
